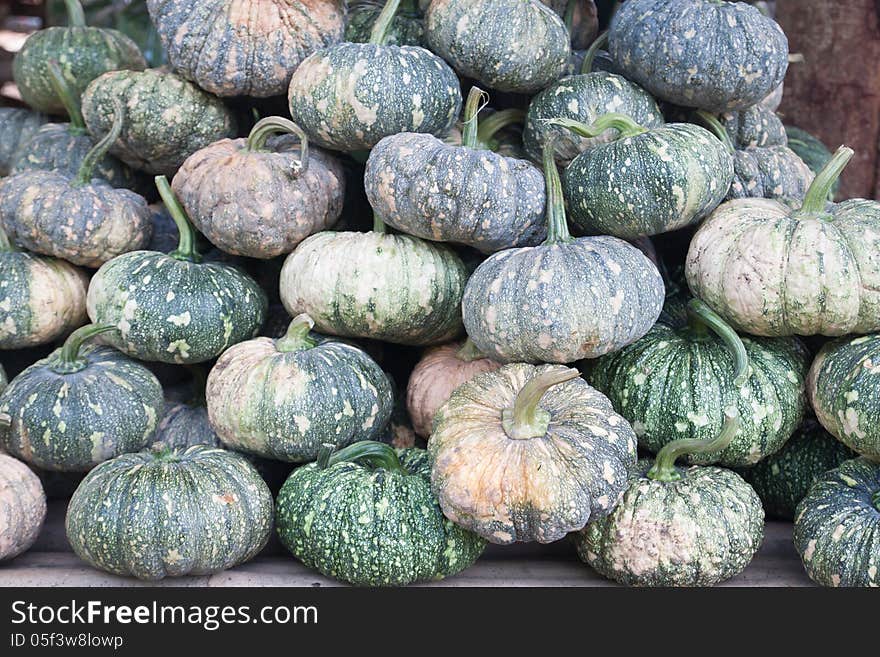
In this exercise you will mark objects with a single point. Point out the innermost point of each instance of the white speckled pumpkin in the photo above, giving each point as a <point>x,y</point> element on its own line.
<point>22,507</point>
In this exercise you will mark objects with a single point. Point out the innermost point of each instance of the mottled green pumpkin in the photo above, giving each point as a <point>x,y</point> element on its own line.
<point>527,453</point>
<point>22,507</point>
<point>407,28</point>
<point>754,127</point>
<point>17,126</point>
<point>167,118</point>
<point>812,151</point>
<point>783,479</point>
<point>82,52</point>
<point>717,56</point>
<point>185,425</point>
<point>366,515</point>
<point>508,45</point>
<point>80,406</point>
<point>837,526</point>
<point>166,513</point>
<point>175,308</point>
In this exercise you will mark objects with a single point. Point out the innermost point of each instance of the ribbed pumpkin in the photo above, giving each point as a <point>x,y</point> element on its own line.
<point>366,515</point>
<point>717,56</point>
<point>436,376</point>
<point>677,380</point>
<point>175,308</point>
<point>527,453</point>
<point>769,270</point>
<point>754,127</point>
<point>812,151</point>
<point>260,198</point>
<point>82,405</point>
<point>464,194</point>
<point>197,511</point>
<point>677,526</point>
<point>22,507</point>
<point>167,118</point>
<point>644,182</point>
<point>17,127</point>
<point>406,29</point>
<point>244,47</point>
<point>562,301</point>
<point>837,526</point>
<point>349,96</point>
<point>83,52</point>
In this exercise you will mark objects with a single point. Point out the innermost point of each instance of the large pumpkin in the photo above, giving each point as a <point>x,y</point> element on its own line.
<point>527,453</point>
<point>197,511</point>
<point>244,47</point>
<point>712,55</point>
<point>82,405</point>
<point>17,127</point>
<point>22,507</point>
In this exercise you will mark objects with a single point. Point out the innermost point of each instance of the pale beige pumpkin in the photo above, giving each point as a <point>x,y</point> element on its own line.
<point>22,507</point>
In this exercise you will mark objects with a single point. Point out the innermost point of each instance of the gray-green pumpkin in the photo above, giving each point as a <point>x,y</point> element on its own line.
<point>646,181</point>
<point>82,52</point>
<point>837,526</point>
<point>509,45</point>
<point>465,194</point>
<point>754,127</point>
<point>366,515</point>
<point>81,405</point>
<point>708,54</point>
<point>677,526</point>
<point>407,28</point>
<point>166,513</point>
<point>22,507</point>
<point>283,399</point>
<point>175,308</point>
<point>167,118</point>
<point>812,151</point>
<point>564,300</point>
<point>186,423</point>
<point>17,126</point>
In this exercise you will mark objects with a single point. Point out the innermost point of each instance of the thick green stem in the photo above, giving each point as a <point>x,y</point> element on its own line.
<point>68,98</point>
<point>378,224</point>
<point>5,244</point>
<point>99,150</point>
<point>613,121</point>
<point>379,34</point>
<point>476,101</point>
<point>370,453</point>
<point>186,246</point>
<point>526,419</point>
<point>817,194</point>
<point>701,316</point>
<point>495,123</point>
<point>68,361</point>
<point>469,352</point>
<point>274,125</point>
<point>664,465</point>
<point>590,56</point>
<point>711,121</point>
<point>557,225</point>
<point>76,17</point>
<point>297,336</point>
<point>876,500</point>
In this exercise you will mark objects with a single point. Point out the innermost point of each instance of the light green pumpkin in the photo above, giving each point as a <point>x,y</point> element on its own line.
<point>22,507</point>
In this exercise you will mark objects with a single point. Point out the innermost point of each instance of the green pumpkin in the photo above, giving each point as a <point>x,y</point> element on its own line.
<point>366,515</point>
<point>782,479</point>
<point>676,382</point>
<point>677,526</point>
<point>22,507</point>
<point>837,526</point>
<point>812,151</point>
<point>80,406</point>
<point>645,182</point>
<point>186,423</point>
<point>754,127</point>
<point>407,28</point>
<point>17,127</point>
<point>167,118</point>
<point>197,511</point>
<point>519,46</point>
<point>717,56</point>
<point>564,300</point>
<point>283,399</point>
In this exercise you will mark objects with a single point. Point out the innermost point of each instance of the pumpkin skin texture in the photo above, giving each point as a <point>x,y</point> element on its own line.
<point>185,425</point>
<point>397,536</point>
<point>529,50</point>
<point>244,47</point>
<point>775,172</point>
<point>17,126</point>
<point>755,127</point>
<point>837,526</point>
<point>199,511</point>
<point>22,507</point>
<point>717,56</point>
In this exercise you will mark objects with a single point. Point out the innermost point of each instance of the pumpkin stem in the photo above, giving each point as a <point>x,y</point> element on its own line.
<point>68,98</point>
<point>370,453</point>
<point>5,420</point>
<point>624,125</point>
<point>557,226</point>
<point>297,336</point>
<point>76,17</point>
<point>711,121</point>
<point>664,465</point>
<point>5,245</point>
<point>701,317</point>
<point>68,361</point>
<point>477,99</point>
<point>590,56</point>
<point>378,223</point>
<point>876,500</point>
<point>379,34</point>
<point>495,123</point>
<point>273,125</point>
<point>527,419</point>
<point>99,150</point>
<point>186,247</point>
<point>469,352</point>
<point>817,194</point>
<point>568,17</point>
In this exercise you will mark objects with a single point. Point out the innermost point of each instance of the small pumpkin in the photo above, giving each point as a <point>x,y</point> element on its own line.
<point>283,399</point>
<point>81,405</point>
<point>519,46</point>
<point>564,300</point>
<point>175,308</point>
<point>167,118</point>
<point>83,52</point>
<point>812,151</point>
<point>406,29</point>
<point>22,507</point>
<point>259,198</point>
<point>17,127</point>
<point>717,56</point>
<point>678,526</point>
<point>349,96</point>
<point>186,423</point>
<point>198,511</point>
<point>366,515</point>
<point>837,526</point>
<point>754,127</point>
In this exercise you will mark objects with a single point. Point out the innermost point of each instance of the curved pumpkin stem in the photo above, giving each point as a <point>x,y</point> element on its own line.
<point>99,150</point>
<point>297,336</point>
<point>186,246</point>
<point>876,500</point>
<point>274,125</point>
<point>370,453</point>
<point>379,224</point>
<point>711,121</point>
<point>625,126</point>
<point>817,194</point>
<point>5,420</point>
<point>76,17</point>
<point>68,360</point>
<point>469,352</point>
<point>495,123</point>
<point>68,98</point>
<point>379,34</point>
<point>557,224</point>
<point>701,317</point>
<point>664,465</point>
<point>527,419</point>
<point>590,57</point>
<point>477,99</point>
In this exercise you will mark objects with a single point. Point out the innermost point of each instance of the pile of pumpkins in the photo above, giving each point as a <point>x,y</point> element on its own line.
<point>593,291</point>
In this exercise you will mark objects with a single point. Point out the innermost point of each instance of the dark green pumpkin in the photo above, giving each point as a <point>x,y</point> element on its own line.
<point>407,28</point>
<point>195,512</point>
<point>80,406</point>
<point>17,126</point>
<point>366,515</point>
<point>812,151</point>
<point>185,423</point>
